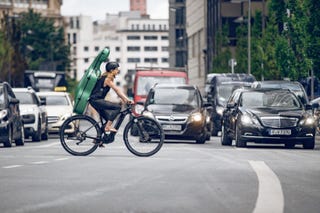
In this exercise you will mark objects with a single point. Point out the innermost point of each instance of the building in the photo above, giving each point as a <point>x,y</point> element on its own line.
<point>204,18</point>
<point>47,8</point>
<point>133,40</point>
<point>139,5</point>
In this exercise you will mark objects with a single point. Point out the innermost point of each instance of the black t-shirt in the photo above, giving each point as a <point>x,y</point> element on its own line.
<point>100,92</point>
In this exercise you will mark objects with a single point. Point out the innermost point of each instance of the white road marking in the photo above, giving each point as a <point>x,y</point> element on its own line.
<point>12,166</point>
<point>40,162</point>
<point>270,196</point>
<point>60,159</point>
<point>48,145</point>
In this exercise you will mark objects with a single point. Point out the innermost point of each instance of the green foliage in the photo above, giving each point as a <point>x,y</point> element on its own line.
<point>6,51</point>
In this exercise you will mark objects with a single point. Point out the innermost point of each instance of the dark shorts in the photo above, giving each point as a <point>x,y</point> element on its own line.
<point>106,109</point>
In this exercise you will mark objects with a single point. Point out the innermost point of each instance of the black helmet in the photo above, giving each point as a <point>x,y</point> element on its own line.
<point>112,65</point>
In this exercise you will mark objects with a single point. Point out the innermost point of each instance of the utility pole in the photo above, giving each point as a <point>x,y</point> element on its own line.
<point>249,36</point>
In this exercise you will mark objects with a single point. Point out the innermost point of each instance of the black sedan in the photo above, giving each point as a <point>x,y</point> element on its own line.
<point>181,112</point>
<point>268,116</point>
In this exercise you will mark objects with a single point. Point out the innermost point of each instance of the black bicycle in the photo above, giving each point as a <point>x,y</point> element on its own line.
<point>81,135</point>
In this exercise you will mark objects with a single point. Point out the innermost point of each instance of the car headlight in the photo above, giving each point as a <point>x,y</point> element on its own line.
<point>148,114</point>
<point>308,121</point>
<point>65,116</point>
<point>219,110</point>
<point>196,117</point>
<point>249,120</point>
<point>3,114</point>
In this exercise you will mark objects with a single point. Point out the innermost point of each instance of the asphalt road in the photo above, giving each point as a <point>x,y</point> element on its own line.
<point>183,177</point>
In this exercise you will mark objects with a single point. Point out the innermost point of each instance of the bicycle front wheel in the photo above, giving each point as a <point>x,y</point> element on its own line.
<point>147,137</point>
<point>80,135</point>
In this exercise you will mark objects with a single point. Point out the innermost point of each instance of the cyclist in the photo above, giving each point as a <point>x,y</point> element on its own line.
<point>108,110</point>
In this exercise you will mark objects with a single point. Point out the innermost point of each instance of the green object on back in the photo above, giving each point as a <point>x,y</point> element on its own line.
<point>88,81</point>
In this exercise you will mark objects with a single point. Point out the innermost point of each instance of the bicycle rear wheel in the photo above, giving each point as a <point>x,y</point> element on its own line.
<point>148,139</point>
<point>79,135</point>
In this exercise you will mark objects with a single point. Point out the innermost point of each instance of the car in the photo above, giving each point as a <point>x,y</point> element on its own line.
<point>269,116</point>
<point>11,123</point>
<point>218,88</point>
<point>59,106</point>
<point>34,114</point>
<point>294,86</point>
<point>180,110</point>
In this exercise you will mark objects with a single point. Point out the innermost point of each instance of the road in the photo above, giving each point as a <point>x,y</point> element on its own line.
<point>183,177</point>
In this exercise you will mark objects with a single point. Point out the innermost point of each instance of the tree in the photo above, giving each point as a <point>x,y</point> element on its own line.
<point>42,44</point>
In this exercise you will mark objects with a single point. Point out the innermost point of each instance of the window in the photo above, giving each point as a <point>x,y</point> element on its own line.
<point>117,49</point>
<point>164,60</point>
<point>74,38</point>
<point>77,24</point>
<point>164,37</point>
<point>151,60</point>
<point>86,48</point>
<point>165,49</point>
<point>96,48</point>
<point>133,37</point>
<point>133,48</point>
<point>152,48</point>
<point>133,60</point>
<point>86,60</point>
<point>150,37</point>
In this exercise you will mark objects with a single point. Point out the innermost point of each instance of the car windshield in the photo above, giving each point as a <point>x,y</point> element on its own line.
<point>25,98</point>
<point>176,96</point>
<point>224,91</point>
<point>146,82</point>
<point>270,100</point>
<point>1,98</point>
<point>56,100</point>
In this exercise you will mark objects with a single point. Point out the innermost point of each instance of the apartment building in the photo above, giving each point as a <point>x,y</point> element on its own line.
<point>134,40</point>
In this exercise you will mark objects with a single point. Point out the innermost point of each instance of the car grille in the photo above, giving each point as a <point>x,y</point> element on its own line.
<point>53,119</point>
<point>172,119</point>
<point>279,122</point>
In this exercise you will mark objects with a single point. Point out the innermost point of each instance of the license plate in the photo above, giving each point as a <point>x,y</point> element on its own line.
<point>171,127</point>
<point>280,132</point>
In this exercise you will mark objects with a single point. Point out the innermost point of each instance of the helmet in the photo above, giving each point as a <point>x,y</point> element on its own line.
<point>112,65</point>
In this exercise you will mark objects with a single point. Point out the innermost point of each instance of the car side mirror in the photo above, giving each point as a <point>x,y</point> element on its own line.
<point>231,105</point>
<point>13,101</point>
<point>43,101</point>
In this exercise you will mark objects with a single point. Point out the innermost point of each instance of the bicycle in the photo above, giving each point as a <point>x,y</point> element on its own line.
<point>81,135</point>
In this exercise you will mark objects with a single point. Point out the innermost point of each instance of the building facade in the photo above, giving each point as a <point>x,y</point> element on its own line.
<point>133,40</point>
<point>47,8</point>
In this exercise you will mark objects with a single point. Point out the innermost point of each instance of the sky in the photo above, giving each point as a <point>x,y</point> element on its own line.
<point>98,8</point>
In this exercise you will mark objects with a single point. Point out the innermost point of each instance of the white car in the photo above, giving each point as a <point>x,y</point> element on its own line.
<point>33,112</point>
<point>59,106</point>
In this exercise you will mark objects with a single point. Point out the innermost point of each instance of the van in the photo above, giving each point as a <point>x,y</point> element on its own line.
<point>219,88</point>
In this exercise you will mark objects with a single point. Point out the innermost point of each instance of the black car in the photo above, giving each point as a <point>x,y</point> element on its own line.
<point>268,116</point>
<point>219,88</point>
<point>11,124</point>
<point>180,110</point>
<point>294,86</point>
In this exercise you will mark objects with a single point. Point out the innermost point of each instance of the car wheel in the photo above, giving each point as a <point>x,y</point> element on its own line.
<point>8,141</point>
<point>20,140</point>
<point>225,139</point>
<point>45,135</point>
<point>37,134</point>
<point>309,144</point>
<point>239,141</point>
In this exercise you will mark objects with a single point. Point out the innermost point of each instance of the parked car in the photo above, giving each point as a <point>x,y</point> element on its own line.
<point>34,114</point>
<point>218,88</point>
<point>268,116</point>
<point>59,106</point>
<point>180,110</point>
<point>11,124</point>
<point>294,86</point>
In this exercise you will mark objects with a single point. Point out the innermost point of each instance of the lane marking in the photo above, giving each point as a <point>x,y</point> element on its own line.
<point>39,162</point>
<point>12,166</point>
<point>48,145</point>
<point>270,196</point>
<point>60,159</point>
